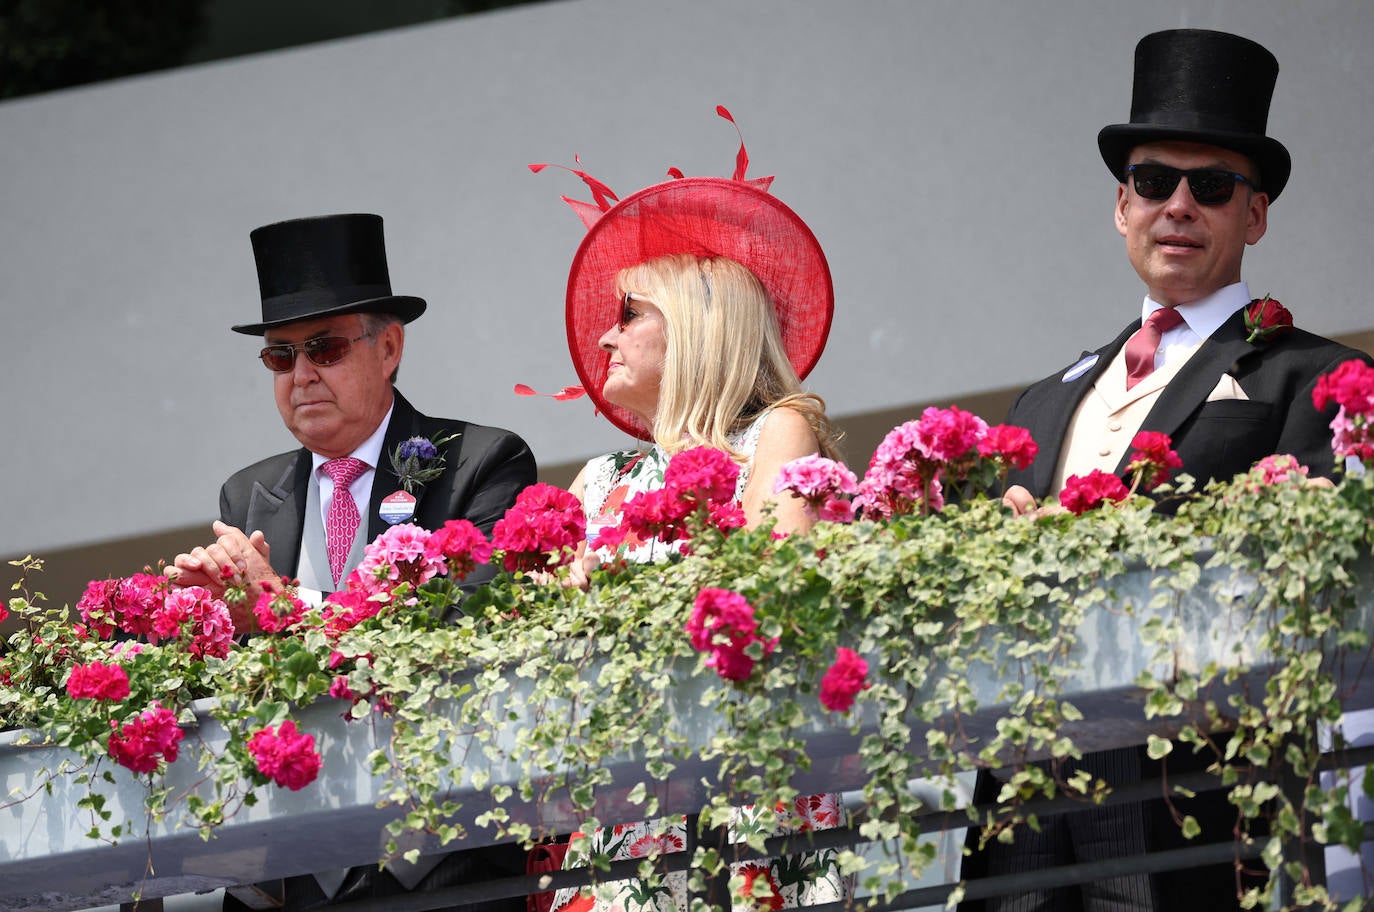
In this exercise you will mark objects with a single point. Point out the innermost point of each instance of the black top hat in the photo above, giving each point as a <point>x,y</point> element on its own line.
<point>1201,86</point>
<point>329,264</point>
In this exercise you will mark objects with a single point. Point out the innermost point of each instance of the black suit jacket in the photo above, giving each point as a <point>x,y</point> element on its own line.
<point>485,468</point>
<point>1214,439</point>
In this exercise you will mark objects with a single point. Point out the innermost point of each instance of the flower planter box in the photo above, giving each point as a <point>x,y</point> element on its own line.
<point>48,862</point>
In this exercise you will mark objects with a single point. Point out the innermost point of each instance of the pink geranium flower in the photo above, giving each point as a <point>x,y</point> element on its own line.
<point>277,609</point>
<point>542,529</point>
<point>658,513</point>
<point>461,545</point>
<point>399,555</point>
<point>1009,445</point>
<point>702,474</point>
<point>726,516</point>
<point>821,482</point>
<point>1087,492</point>
<point>1153,459</point>
<point>96,608</point>
<point>699,483</point>
<point>1279,469</point>
<point>906,469</point>
<point>98,681</point>
<point>949,435</point>
<point>152,737</point>
<point>1352,437</point>
<point>1351,386</point>
<point>285,756</point>
<point>844,680</point>
<point>339,689</point>
<point>196,617</point>
<point>722,624</point>
<point>126,604</point>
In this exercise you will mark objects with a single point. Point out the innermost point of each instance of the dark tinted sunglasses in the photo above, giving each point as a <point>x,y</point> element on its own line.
<point>322,352</point>
<point>1209,186</point>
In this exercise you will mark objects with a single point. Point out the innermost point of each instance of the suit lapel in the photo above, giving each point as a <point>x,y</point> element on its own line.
<point>1196,379</point>
<point>278,509</point>
<point>405,423</point>
<point>1053,426</point>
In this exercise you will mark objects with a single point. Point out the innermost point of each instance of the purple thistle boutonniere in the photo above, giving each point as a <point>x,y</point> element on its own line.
<point>1266,318</point>
<point>417,460</point>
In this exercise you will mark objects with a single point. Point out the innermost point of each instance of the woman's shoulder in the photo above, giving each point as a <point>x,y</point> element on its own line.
<point>783,424</point>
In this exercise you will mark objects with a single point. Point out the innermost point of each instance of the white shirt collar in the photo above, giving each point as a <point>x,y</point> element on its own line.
<point>1205,316</point>
<point>369,451</point>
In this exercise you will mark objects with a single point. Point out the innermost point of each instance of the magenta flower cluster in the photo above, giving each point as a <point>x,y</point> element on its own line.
<point>277,609</point>
<point>1152,459</point>
<point>722,625</point>
<point>1088,492</point>
<point>906,471</point>
<point>827,487</point>
<point>145,605</point>
<point>541,530</point>
<point>98,681</point>
<point>1279,469</point>
<point>150,738</point>
<point>1351,387</point>
<point>698,483</point>
<point>285,756</point>
<point>846,678</point>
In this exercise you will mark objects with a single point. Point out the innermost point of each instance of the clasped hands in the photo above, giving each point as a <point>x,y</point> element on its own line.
<point>232,559</point>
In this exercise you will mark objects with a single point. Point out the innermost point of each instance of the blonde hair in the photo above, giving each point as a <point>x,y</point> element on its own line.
<point>725,362</point>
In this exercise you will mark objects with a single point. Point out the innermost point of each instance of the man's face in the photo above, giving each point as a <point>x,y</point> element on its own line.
<point>1184,250</point>
<point>333,409</point>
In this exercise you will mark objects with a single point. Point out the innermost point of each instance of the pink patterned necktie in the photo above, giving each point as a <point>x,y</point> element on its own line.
<point>1141,347</point>
<point>341,523</point>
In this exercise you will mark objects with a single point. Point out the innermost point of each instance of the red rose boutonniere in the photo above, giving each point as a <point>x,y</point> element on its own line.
<point>1266,318</point>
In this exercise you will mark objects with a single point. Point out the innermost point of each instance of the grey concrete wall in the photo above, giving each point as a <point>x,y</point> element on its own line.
<point>943,151</point>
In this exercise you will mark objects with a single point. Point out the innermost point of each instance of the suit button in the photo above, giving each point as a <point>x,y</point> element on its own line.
<point>1114,426</point>
<point>1105,451</point>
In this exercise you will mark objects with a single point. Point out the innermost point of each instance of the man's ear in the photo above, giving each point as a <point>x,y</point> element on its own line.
<point>1122,201</point>
<point>1257,217</point>
<point>393,343</point>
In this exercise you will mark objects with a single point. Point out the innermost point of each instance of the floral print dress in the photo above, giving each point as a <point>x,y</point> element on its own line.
<point>804,879</point>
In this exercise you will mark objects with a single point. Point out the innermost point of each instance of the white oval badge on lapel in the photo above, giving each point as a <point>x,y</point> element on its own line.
<point>1079,369</point>
<point>397,507</point>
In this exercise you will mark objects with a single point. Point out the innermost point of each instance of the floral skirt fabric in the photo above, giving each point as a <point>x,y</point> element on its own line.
<point>804,879</point>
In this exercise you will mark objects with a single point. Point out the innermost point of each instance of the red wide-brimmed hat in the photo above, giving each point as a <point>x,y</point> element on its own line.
<point>706,217</point>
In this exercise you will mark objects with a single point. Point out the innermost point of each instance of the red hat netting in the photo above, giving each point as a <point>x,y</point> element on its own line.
<point>705,216</point>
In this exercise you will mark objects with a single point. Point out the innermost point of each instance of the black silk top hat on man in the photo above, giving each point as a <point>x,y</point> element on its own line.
<point>1205,87</point>
<point>323,266</point>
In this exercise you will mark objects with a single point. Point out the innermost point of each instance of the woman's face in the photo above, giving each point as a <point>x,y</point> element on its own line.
<point>636,347</point>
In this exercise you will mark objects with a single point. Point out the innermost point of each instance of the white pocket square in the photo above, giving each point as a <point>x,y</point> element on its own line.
<point>1227,388</point>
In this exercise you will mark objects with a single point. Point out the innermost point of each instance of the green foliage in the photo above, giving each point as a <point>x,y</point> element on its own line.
<point>957,613</point>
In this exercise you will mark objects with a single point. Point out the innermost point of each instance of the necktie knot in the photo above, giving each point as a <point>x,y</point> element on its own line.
<point>1164,319</point>
<point>1142,347</point>
<point>344,471</point>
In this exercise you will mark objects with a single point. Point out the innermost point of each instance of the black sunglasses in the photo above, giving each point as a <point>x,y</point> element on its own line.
<point>1209,186</point>
<point>322,352</point>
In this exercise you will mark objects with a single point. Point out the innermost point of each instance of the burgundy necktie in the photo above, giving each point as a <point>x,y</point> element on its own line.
<point>1141,347</point>
<point>341,523</point>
